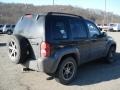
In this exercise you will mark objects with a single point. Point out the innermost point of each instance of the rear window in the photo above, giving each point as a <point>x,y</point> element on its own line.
<point>23,24</point>
<point>27,25</point>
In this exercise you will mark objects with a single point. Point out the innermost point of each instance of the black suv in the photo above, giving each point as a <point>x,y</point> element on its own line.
<point>57,43</point>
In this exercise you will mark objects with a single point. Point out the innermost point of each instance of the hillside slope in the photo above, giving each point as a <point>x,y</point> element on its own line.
<point>10,13</point>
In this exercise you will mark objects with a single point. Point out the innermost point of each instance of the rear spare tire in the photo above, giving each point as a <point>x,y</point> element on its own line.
<point>17,49</point>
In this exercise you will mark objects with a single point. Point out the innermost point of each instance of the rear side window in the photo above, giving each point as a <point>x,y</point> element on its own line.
<point>59,30</point>
<point>78,29</point>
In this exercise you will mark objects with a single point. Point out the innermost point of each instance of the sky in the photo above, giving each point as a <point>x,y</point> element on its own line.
<point>111,5</point>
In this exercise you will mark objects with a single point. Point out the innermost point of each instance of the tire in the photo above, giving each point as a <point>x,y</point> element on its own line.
<point>17,49</point>
<point>67,71</point>
<point>110,56</point>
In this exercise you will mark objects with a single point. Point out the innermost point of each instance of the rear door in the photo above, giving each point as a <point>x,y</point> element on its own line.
<point>98,43</point>
<point>68,32</point>
<point>57,32</point>
<point>80,38</point>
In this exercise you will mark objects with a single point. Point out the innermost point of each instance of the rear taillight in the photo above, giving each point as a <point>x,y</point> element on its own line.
<point>45,49</point>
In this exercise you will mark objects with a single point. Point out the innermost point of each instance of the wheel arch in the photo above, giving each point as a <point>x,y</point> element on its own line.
<point>74,53</point>
<point>114,45</point>
<point>110,44</point>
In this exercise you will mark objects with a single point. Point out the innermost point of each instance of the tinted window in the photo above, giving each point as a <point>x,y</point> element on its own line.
<point>78,29</point>
<point>105,25</point>
<point>59,30</point>
<point>94,31</point>
<point>1,26</point>
<point>113,25</point>
<point>99,24</point>
<point>13,26</point>
<point>7,26</point>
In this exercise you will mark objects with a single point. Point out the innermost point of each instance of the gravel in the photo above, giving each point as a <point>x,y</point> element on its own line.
<point>91,76</point>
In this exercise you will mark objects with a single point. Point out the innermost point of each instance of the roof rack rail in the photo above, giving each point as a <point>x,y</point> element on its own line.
<point>50,13</point>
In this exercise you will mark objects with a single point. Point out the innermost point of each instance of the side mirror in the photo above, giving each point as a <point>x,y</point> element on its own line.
<point>100,29</point>
<point>103,34</point>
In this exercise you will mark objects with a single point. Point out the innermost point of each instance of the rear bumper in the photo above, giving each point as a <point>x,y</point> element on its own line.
<point>47,65</point>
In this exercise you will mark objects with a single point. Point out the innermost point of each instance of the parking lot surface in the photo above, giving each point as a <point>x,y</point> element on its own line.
<point>91,76</point>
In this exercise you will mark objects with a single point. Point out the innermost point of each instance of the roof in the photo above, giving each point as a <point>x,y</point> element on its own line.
<point>57,13</point>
